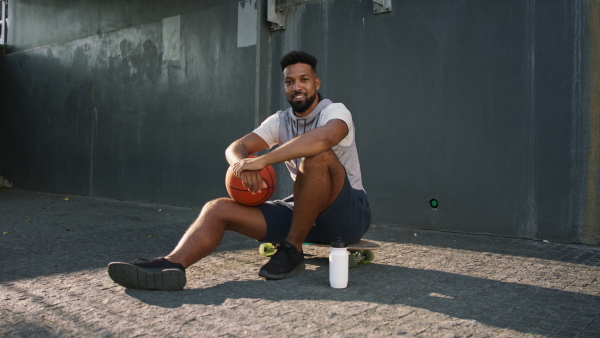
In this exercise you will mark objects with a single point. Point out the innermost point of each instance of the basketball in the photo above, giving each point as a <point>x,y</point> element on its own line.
<point>242,195</point>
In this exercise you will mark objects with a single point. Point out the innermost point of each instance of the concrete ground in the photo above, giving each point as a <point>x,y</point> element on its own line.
<point>53,281</point>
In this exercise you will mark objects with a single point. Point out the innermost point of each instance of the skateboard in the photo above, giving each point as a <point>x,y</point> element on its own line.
<point>360,252</point>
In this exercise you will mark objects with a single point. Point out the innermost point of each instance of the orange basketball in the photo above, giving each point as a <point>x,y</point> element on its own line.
<point>240,194</point>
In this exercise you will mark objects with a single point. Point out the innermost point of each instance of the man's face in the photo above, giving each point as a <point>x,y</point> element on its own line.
<point>301,86</point>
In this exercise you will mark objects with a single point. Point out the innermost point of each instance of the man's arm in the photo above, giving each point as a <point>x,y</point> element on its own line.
<point>308,144</point>
<point>238,151</point>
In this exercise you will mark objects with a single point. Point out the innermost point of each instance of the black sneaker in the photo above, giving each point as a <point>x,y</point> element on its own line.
<point>286,262</point>
<point>157,274</point>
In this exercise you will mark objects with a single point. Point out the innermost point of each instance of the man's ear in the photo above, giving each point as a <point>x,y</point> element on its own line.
<point>318,82</point>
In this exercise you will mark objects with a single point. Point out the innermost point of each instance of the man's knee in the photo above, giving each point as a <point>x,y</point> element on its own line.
<point>323,160</point>
<point>217,207</point>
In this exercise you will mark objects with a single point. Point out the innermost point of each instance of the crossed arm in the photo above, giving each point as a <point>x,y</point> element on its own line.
<point>308,144</point>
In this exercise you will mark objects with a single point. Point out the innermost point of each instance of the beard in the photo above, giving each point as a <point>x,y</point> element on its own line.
<point>300,107</point>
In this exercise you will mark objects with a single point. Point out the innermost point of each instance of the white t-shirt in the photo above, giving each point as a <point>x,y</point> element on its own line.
<point>284,125</point>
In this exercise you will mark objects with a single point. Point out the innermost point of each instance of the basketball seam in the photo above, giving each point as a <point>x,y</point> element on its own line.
<point>268,191</point>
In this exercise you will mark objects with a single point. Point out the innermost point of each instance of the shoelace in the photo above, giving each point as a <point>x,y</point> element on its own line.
<point>283,253</point>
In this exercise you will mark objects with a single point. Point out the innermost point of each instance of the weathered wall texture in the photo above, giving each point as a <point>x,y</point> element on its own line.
<point>591,228</point>
<point>489,107</point>
<point>132,102</point>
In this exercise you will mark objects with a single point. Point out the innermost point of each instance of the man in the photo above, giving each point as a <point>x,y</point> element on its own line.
<point>316,141</point>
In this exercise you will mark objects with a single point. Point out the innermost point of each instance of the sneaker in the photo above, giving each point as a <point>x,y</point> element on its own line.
<point>157,274</point>
<point>286,262</point>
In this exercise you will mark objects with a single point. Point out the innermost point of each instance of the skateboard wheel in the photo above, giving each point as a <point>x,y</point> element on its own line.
<point>369,256</point>
<point>352,261</point>
<point>266,249</point>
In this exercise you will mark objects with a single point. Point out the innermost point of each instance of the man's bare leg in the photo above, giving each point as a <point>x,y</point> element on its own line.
<point>319,181</point>
<point>202,238</point>
<point>205,234</point>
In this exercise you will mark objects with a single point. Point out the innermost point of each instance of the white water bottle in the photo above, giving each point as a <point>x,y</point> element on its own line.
<point>338,264</point>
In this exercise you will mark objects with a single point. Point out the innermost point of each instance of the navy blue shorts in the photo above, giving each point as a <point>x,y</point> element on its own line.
<point>348,217</point>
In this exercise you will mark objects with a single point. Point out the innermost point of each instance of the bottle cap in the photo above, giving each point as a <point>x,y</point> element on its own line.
<point>338,243</point>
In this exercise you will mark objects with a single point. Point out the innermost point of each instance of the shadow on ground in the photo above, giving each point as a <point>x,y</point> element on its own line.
<point>490,302</point>
<point>45,234</point>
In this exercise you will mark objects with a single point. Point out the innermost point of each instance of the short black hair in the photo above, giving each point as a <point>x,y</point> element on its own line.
<point>295,57</point>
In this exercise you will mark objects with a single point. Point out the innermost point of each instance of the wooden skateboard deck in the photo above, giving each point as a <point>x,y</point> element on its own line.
<point>360,245</point>
<point>360,252</point>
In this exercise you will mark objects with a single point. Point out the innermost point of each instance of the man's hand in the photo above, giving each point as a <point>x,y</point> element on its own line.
<point>249,171</point>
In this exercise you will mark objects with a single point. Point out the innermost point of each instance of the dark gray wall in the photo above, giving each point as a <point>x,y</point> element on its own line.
<point>490,107</point>
<point>94,104</point>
